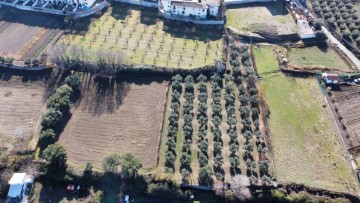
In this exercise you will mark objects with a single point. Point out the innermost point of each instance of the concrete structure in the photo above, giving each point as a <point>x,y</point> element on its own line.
<point>19,183</point>
<point>193,9</point>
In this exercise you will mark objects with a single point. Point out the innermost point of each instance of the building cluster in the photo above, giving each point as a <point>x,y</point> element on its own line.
<point>194,9</point>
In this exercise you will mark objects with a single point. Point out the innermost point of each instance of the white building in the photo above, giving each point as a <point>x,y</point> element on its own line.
<point>18,184</point>
<point>197,9</point>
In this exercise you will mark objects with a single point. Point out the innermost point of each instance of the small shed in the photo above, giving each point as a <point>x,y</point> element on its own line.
<point>18,184</point>
<point>331,78</point>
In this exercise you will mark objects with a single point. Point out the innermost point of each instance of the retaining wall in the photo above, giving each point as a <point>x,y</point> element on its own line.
<point>237,2</point>
<point>140,3</point>
<point>201,22</point>
<point>79,14</point>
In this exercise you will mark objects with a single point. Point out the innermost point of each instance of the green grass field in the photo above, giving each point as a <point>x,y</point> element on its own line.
<point>141,37</point>
<point>305,144</point>
<point>270,17</point>
<point>315,56</point>
<point>265,59</point>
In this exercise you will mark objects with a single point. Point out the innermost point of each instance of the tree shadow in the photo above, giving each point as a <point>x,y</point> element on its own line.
<point>32,18</point>
<point>235,171</point>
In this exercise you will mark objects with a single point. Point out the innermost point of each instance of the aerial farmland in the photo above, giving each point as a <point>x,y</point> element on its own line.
<point>209,102</point>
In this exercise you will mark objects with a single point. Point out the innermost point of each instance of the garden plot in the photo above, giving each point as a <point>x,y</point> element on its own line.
<point>315,56</point>
<point>20,31</point>
<point>141,37</point>
<point>118,115</point>
<point>268,18</point>
<point>21,106</point>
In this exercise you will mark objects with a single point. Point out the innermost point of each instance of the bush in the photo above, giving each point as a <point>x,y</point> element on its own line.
<point>205,175</point>
<point>320,35</point>
<point>61,99</point>
<point>111,163</point>
<point>27,62</point>
<point>355,34</point>
<point>55,154</point>
<point>51,118</point>
<point>46,137</point>
<point>130,165</point>
<point>35,62</point>
<point>73,82</point>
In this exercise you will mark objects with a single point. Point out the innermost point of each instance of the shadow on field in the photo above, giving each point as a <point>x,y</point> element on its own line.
<point>275,8</point>
<point>45,78</point>
<point>102,94</point>
<point>32,18</point>
<point>150,17</point>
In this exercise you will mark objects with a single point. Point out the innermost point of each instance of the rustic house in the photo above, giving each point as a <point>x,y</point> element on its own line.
<point>331,78</point>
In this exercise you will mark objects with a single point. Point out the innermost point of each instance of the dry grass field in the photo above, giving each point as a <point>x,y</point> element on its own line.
<point>21,106</point>
<point>270,17</point>
<point>140,36</point>
<point>305,144</point>
<point>22,34</point>
<point>116,116</point>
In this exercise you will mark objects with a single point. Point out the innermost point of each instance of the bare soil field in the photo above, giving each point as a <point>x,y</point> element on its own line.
<point>347,102</point>
<point>116,116</point>
<point>21,106</point>
<point>20,32</point>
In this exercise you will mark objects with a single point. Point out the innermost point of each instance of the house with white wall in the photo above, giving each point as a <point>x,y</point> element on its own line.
<point>197,9</point>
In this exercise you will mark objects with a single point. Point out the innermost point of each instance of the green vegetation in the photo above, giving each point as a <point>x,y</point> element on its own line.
<point>129,164</point>
<point>341,16</point>
<point>265,59</point>
<point>135,36</point>
<point>55,154</point>
<point>305,144</point>
<point>316,56</point>
<point>261,18</point>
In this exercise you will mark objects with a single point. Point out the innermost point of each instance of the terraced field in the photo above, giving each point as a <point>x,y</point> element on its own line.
<point>139,36</point>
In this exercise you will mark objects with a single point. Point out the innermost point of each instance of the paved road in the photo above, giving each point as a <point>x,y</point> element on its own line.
<point>348,53</point>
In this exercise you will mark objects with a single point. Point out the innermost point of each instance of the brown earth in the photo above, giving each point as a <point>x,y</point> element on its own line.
<point>116,116</point>
<point>20,32</point>
<point>21,106</point>
<point>346,100</point>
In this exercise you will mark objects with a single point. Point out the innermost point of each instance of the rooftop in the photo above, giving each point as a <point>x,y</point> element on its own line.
<point>188,4</point>
<point>17,178</point>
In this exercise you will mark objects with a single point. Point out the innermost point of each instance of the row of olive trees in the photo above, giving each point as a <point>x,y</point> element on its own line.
<point>188,116</point>
<point>249,112</point>
<point>173,127</point>
<point>216,85</point>
<point>57,106</point>
<point>203,143</point>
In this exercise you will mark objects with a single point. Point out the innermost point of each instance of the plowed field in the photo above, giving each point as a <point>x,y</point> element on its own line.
<point>20,31</point>
<point>21,106</point>
<point>116,115</point>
